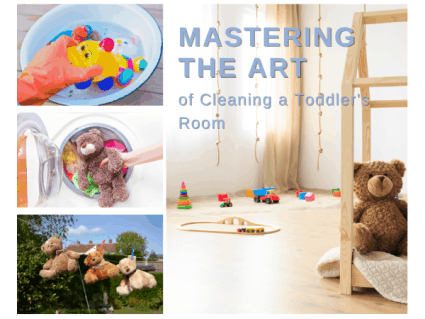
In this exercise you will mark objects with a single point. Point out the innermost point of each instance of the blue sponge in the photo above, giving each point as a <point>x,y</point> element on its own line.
<point>302,195</point>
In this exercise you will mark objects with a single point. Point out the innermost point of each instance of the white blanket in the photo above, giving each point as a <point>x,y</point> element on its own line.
<point>386,273</point>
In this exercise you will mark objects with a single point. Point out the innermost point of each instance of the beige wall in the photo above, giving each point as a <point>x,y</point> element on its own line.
<point>387,56</point>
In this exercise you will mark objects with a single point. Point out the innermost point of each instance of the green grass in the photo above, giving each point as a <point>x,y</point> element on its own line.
<point>129,310</point>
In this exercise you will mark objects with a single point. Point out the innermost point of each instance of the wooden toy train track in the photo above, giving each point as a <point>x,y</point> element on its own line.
<point>231,225</point>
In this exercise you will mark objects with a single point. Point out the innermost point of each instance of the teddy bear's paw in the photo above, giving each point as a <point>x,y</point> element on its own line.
<point>106,201</point>
<point>148,280</point>
<point>402,247</point>
<point>90,278</point>
<point>123,291</point>
<point>48,274</point>
<point>113,272</point>
<point>72,265</point>
<point>363,239</point>
<point>83,184</point>
<point>121,194</point>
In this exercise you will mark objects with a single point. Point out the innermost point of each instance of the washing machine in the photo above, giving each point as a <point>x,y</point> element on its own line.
<point>42,138</point>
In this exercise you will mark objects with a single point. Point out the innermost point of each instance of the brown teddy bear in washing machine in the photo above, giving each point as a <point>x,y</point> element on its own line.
<point>133,278</point>
<point>100,269</point>
<point>380,219</point>
<point>61,262</point>
<point>109,177</point>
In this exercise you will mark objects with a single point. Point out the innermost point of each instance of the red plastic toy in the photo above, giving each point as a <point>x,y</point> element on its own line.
<point>337,193</point>
<point>298,192</point>
<point>107,44</point>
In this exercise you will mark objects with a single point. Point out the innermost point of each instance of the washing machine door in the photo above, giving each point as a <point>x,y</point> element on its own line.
<point>39,175</point>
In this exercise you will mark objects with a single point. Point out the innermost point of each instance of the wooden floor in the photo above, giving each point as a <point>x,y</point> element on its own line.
<point>276,273</point>
<point>150,93</point>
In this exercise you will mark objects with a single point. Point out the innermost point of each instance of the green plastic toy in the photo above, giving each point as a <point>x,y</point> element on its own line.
<point>93,187</point>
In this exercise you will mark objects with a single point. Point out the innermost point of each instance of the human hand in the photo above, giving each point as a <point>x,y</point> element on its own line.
<point>50,72</point>
<point>125,157</point>
<point>145,155</point>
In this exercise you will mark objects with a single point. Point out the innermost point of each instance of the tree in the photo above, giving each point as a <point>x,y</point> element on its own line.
<point>126,241</point>
<point>42,227</point>
<point>34,294</point>
<point>152,256</point>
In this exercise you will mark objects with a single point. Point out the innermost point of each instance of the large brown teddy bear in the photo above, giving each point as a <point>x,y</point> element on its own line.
<point>109,177</point>
<point>380,219</point>
<point>61,262</point>
<point>133,278</point>
<point>99,268</point>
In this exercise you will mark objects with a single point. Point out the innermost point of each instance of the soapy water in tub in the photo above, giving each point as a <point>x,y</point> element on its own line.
<point>106,30</point>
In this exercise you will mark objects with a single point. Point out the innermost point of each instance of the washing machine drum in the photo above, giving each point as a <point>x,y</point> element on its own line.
<point>112,138</point>
<point>39,163</point>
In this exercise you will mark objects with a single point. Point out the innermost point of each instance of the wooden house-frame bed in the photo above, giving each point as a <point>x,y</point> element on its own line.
<point>356,61</point>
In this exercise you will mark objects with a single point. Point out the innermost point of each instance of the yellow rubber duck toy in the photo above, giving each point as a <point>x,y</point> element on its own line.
<point>117,69</point>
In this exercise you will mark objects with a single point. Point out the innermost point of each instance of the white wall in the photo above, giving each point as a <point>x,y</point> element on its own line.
<point>387,56</point>
<point>192,154</point>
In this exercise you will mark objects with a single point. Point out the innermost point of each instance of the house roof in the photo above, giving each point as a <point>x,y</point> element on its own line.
<point>81,249</point>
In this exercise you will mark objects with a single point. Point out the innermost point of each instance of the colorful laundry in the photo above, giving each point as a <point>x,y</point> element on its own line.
<point>68,154</point>
<point>93,187</point>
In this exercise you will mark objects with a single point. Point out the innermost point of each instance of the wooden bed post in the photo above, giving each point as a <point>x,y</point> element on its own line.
<point>366,113</point>
<point>356,61</point>
<point>347,156</point>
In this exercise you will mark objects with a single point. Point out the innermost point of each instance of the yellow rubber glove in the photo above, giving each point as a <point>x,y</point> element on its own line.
<point>50,72</point>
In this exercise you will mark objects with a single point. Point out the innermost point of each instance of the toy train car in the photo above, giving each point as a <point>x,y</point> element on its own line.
<point>250,230</point>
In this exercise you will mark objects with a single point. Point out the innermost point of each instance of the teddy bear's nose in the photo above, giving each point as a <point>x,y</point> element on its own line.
<point>93,259</point>
<point>381,178</point>
<point>84,145</point>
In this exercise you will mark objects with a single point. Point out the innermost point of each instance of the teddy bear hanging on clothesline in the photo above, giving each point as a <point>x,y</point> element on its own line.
<point>133,278</point>
<point>99,268</point>
<point>61,261</point>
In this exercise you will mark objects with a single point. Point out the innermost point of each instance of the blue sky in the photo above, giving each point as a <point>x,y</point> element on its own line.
<point>104,227</point>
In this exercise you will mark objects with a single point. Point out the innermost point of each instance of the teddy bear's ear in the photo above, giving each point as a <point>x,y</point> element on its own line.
<point>357,166</point>
<point>95,131</point>
<point>399,166</point>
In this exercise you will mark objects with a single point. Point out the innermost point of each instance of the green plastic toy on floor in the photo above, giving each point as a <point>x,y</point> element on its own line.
<point>184,201</point>
<point>93,187</point>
